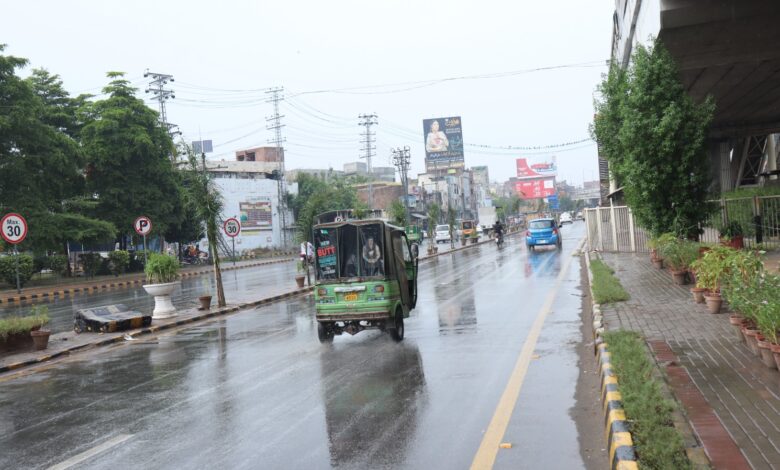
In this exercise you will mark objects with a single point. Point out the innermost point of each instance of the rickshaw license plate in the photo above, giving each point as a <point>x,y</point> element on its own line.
<point>350,297</point>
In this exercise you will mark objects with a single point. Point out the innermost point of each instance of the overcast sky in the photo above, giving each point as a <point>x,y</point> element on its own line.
<point>223,55</point>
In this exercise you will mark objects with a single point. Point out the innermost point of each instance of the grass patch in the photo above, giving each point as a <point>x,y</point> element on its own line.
<point>15,324</point>
<point>658,444</point>
<point>606,287</point>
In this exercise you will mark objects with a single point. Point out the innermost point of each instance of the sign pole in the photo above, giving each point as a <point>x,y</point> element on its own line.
<point>16,257</point>
<point>145,255</point>
<point>234,250</point>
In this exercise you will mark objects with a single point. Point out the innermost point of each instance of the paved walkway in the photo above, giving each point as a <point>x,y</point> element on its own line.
<point>744,395</point>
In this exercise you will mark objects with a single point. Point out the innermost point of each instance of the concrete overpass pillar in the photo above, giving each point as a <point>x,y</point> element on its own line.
<point>771,152</point>
<point>721,165</point>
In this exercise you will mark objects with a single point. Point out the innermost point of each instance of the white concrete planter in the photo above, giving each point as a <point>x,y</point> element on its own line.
<point>163,306</point>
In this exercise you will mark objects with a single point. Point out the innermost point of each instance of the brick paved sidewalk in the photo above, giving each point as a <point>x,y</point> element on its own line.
<point>744,395</point>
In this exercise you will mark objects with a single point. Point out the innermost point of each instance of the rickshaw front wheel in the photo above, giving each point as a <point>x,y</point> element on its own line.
<point>397,330</point>
<point>324,333</point>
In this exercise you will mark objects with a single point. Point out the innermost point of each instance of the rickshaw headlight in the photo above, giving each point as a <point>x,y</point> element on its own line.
<point>322,292</point>
<point>379,288</point>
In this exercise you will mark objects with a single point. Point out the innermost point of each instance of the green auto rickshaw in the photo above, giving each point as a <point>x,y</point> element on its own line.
<point>366,277</point>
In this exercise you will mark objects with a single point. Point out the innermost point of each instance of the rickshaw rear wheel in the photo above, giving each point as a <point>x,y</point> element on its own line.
<point>324,333</point>
<point>397,330</point>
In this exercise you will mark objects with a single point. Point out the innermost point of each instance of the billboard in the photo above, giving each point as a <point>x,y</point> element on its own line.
<point>255,215</point>
<point>443,143</point>
<point>535,170</point>
<point>535,188</point>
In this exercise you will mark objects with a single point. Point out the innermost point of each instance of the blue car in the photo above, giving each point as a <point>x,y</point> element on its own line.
<point>543,232</point>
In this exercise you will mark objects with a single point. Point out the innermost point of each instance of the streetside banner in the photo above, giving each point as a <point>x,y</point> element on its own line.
<point>535,188</point>
<point>535,170</point>
<point>255,215</point>
<point>443,143</point>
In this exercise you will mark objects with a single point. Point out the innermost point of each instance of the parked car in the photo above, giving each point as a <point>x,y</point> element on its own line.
<point>442,234</point>
<point>580,216</point>
<point>565,218</point>
<point>543,232</point>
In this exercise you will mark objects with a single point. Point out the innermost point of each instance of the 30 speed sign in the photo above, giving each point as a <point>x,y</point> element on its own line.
<point>232,227</point>
<point>14,228</point>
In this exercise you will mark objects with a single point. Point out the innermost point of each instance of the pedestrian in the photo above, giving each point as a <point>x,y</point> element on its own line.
<point>303,252</point>
<point>309,252</point>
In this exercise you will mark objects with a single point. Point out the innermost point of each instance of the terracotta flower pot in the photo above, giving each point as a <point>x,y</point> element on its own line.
<point>658,263</point>
<point>679,277</point>
<point>766,353</point>
<point>205,302</point>
<point>299,279</point>
<point>775,348</point>
<point>737,321</point>
<point>698,294</point>
<point>714,301</point>
<point>40,339</point>
<point>750,339</point>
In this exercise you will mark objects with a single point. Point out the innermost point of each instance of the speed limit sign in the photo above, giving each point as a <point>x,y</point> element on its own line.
<point>14,228</point>
<point>143,225</point>
<point>232,227</point>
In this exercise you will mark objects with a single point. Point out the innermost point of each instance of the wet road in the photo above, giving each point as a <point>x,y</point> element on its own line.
<point>257,390</point>
<point>247,283</point>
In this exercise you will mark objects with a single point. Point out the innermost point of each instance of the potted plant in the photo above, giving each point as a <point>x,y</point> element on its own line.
<point>660,244</point>
<point>710,269</point>
<point>162,273</point>
<point>732,235</point>
<point>16,333</point>
<point>300,276</point>
<point>679,254</point>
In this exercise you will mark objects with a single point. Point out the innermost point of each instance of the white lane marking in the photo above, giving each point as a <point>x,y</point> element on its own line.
<point>77,459</point>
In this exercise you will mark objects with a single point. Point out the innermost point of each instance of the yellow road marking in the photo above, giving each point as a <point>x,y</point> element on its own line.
<point>486,455</point>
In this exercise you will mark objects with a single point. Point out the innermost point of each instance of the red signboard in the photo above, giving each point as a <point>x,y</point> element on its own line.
<point>524,170</point>
<point>535,188</point>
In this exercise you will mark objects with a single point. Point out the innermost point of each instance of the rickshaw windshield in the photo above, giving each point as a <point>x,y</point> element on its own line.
<point>349,251</point>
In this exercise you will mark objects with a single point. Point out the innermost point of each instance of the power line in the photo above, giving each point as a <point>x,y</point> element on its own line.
<point>161,95</point>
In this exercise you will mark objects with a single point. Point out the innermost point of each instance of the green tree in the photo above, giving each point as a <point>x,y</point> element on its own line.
<point>40,162</point>
<point>128,160</point>
<point>653,135</point>
<point>434,213</point>
<point>397,213</point>
<point>318,197</point>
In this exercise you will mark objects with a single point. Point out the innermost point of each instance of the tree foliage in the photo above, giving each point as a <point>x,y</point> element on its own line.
<point>397,213</point>
<point>315,197</point>
<point>41,161</point>
<point>128,160</point>
<point>653,135</point>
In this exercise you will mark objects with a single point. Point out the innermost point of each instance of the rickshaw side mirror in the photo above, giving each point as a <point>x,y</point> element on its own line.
<point>415,250</point>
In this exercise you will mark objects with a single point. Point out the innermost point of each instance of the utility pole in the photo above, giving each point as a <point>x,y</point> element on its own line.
<point>369,120</point>
<point>161,95</point>
<point>401,160</point>
<point>275,124</point>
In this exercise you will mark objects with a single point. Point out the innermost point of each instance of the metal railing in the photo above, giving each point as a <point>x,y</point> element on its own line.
<point>614,228</point>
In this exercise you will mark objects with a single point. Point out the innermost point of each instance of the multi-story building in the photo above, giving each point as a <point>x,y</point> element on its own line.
<point>260,154</point>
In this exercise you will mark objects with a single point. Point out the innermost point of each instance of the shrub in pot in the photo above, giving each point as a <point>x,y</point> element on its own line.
<point>162,272</point>
<point>16,332</point>
<point>679,255</point>
<point>732,235</point>
<point>768,319</point>
<point>300,276</point>
<point>710,269</point>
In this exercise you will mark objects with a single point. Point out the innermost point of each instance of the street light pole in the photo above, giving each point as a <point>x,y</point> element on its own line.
<point>401,160</point>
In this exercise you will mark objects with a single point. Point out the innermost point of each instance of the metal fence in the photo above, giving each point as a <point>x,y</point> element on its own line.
<point>614,228</point>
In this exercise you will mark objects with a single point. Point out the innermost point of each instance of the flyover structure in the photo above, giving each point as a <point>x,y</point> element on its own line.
<point>727,49</point>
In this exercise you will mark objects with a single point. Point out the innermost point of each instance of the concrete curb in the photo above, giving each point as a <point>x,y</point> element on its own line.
<point>62,292</point>
<point>622,455</point>
<point>119,337</point>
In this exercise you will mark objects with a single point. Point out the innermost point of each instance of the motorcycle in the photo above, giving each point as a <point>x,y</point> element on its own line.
<point>500,239</point>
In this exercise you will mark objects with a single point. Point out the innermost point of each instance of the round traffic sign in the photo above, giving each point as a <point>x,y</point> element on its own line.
<point>14,228</point>
<point>142,225</point>
<point>232,227</point>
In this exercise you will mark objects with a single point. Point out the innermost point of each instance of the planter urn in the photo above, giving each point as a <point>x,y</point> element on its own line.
<point>40,339</point>
<point>658,263</point>
<point>766,352</point>
<point>463,242</point>
<point>299,279</point>
<point>698,294</point>
<point>205,302</point>
<point>714,302</point>
<point>679,277</point>
<point>163,304</point>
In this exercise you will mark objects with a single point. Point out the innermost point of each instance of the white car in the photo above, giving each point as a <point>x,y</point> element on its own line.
<point>565,218</point>
<point>442,234</point>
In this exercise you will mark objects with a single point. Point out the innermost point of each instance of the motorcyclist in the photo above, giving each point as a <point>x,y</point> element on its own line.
<point>498,230</point>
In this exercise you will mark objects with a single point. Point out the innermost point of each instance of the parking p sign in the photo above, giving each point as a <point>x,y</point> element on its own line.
<point>143,225</point>
<point>14,228</point>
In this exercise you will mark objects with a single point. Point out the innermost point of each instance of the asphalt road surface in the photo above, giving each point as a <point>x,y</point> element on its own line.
<point>492,355</point>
